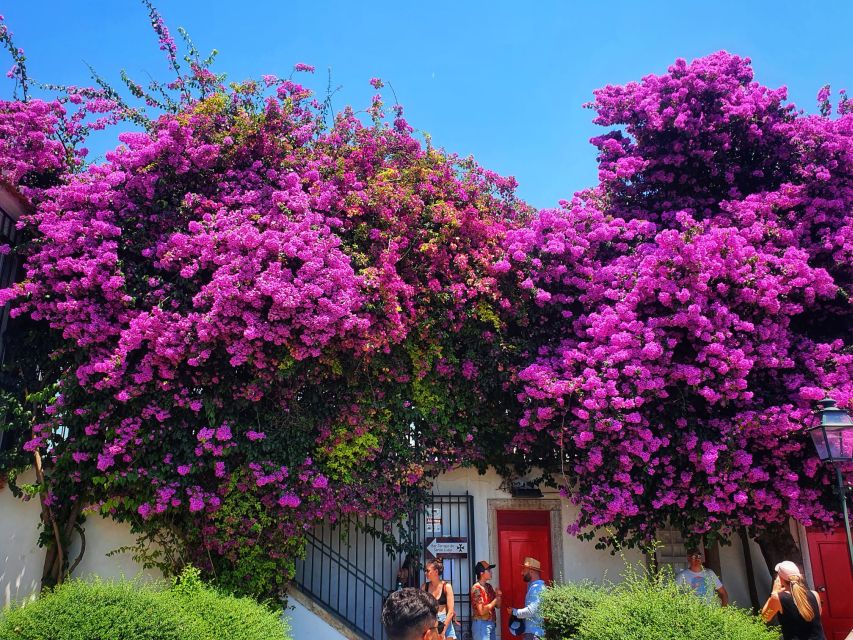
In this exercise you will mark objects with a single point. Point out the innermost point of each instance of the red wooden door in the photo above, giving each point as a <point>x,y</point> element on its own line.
<point>833,581</point>
<point>521,534</point>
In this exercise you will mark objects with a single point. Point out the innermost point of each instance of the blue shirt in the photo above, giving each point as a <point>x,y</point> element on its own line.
<point>530,613</point>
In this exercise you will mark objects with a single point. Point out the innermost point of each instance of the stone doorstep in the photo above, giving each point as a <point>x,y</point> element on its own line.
<point>293,593</point>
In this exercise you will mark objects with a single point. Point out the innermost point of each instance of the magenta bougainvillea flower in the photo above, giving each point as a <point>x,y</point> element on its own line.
<point>693,306</point>
<point>260,315</point>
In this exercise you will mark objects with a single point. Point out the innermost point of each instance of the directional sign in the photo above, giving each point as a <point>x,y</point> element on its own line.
<point>447,547</point>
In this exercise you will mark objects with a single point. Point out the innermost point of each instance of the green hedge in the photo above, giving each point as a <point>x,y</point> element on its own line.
<point>129,610</point>
<point>564,606</point>
<point>643,608</point>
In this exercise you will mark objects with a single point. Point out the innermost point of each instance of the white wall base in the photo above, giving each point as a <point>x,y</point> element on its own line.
<point>308,621</point>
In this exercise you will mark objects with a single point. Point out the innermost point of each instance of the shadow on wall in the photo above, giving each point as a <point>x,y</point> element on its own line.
<point>21,559</point>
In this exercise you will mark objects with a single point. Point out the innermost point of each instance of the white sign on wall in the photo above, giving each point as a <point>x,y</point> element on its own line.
<point>433,520</point>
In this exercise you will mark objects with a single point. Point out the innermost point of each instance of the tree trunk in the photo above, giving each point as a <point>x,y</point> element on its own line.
<point>712,559</point>
<point>750,571</point>
<point>55,558</point>
<point>61,522</point>
<point>56,562</point>
<point>777,544</point>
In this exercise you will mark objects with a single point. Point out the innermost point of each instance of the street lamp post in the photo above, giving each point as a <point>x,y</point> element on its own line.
<point>833,439</point>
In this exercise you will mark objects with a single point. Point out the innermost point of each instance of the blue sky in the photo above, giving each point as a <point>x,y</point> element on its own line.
<point>498,80</point>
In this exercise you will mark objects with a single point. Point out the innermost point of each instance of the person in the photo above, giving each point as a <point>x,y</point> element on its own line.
<point>798,608</point>
<point>531,573</point>
<point>406,575</point>
<point>442,591</point>
<point>484,602</point>
<point>699,579</point>
<point>410,614</point>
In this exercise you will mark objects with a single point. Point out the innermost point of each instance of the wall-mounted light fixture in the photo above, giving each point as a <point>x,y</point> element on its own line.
<point>525,489</point>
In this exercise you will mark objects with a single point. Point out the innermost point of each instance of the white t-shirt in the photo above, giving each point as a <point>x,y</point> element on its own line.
<point>703,583</point>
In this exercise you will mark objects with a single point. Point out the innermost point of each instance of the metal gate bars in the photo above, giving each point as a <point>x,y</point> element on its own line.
<point>351,567</point>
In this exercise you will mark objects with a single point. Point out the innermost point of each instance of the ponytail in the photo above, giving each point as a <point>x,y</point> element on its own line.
<point>801,598</point>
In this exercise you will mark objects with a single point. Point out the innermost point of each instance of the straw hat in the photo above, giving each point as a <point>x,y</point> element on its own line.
<point>532,563</point>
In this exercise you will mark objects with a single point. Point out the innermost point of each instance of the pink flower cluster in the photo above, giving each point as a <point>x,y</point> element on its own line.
<point>694,306</point>
<point>28,143</point>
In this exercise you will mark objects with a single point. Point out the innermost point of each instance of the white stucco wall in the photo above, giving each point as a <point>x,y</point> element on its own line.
<point>102,537</point>
<point>581,560</point>
<point>22,560</point>
<point>733,568</point>
<point>306,625</point>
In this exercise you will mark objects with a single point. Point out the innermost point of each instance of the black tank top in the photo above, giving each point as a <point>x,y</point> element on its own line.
<point>794,626</point>
<point>442,599</point>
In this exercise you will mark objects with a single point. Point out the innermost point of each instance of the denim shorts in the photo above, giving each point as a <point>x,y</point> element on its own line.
<point>449,632</point>
<point>483,630</point>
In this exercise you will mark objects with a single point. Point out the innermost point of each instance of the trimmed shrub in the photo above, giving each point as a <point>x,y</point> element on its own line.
<point>644,608</point>
<point>129,610</point>
<point>563,606</point>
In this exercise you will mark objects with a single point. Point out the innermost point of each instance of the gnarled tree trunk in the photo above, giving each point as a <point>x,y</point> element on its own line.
<point>61,523</point>
<point>777,544</point>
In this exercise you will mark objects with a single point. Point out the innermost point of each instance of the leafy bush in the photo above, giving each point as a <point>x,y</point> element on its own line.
<point>119,610</point>
<point>644,608</point>
<point>564,605</point>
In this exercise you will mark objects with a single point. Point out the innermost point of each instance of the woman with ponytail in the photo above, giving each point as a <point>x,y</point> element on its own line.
<point>442,591</point>
<point>798,608</point>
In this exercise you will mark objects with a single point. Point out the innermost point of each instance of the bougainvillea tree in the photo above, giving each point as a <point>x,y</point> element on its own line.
<point>42,142</point>
<point>267,323</point>
<point>693,307</point>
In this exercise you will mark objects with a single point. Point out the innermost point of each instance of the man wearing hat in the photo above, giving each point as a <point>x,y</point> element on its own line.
<point>531,572</point>
<point>704,582</point>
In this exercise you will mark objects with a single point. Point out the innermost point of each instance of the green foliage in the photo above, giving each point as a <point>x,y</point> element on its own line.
<point>644,607</point>
<point>249,567</point>
<point>348,455</point>
<point>563,607</point>
<point>100,610</point>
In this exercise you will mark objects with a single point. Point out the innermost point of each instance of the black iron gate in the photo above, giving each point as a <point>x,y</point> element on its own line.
<point>447,525</point>
<point>351,567</point>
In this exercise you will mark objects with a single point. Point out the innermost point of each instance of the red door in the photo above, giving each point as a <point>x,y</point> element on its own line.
<point>521,534</point>
<point>833,581</point>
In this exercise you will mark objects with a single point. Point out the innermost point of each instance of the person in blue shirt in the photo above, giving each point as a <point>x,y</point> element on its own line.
<point>532,574</point>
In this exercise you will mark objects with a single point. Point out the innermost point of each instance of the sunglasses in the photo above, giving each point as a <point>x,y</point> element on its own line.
<point>440,627</point>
